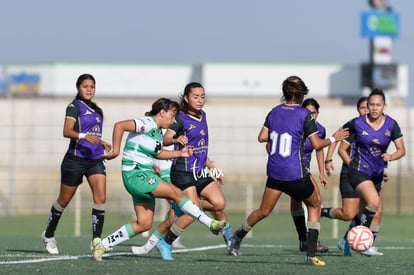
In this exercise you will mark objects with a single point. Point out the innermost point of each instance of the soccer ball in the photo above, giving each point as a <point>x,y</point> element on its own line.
<point>360,238</point>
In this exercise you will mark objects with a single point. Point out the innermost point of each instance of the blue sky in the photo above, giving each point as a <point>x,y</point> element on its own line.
<point>191,31</point>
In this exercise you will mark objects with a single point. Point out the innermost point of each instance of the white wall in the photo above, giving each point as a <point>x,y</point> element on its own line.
<point>324,81</point>
<point>220,79</point>
<point>125,80</point>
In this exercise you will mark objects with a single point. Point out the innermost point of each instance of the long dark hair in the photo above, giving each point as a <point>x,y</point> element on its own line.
<point>90,103</point>
<point>187,91</point>
<point>162,104</point>
<point>294,89</point>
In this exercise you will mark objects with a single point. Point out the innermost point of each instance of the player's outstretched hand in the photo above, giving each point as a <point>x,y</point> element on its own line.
<point>110,155</point>
<point>324,181</point>
<point>187,151</point>
<point>329,166</point>
<point>341,134</point>
<point>107,146</point>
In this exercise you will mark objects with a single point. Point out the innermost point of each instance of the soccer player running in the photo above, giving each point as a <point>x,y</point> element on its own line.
<point>83,126</point>
<point>286,127</point>
<point>350,197</point>
<point>373,134</point>
<point>163,168</point>
<point>142,145</point>
<point>296,208</point>
<point>192,175</point>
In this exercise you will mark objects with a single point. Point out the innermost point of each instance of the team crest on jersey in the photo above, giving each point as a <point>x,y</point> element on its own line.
<point>201,143</point>
<point>158,146</point>
<point>387,133</point>
<point>98,119</point>
<point>96,129</point>
<point>151,181</point>
<point>364,133</point>
<point>202,132</point>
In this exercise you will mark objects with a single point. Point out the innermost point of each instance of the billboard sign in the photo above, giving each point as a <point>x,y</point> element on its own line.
<point>380,23</point>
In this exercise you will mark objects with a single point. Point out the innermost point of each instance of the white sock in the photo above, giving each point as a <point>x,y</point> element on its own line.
<point>151,242</point>
<point>191,209</point>
<point>119,236</point>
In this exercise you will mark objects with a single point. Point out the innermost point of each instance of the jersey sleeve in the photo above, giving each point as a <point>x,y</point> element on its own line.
<point>144,124</point>
<point>266,123</point>
<point>310,125</point>
<point>72,111</point>
<point>177,127</point>
<point>396,131</point>
<point>351,128</point>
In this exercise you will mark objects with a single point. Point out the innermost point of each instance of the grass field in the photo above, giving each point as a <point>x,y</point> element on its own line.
<point>272,249</point>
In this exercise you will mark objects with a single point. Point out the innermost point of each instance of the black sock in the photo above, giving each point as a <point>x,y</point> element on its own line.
<point>325,212</point>
<point>54,217</point>
<point>367,216</point>
<point>170,237</point>
<point>240,233</point>
<point>313,236</point>
<point>375,234</point>
<point>98,218</point>
<point>300,225</point>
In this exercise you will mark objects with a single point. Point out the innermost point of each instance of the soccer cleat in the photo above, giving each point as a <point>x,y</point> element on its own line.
<point>320,248</point>
<point>98,249</point>
<point>227,233</point>
<point>372,251</point>
<point>177,244</point>
<point>217,226</point>
<point>50,244</point>
<point>165,250</point>
<point>347,250</point>
<point>234,249</point>
<point>314,261</point>
<point>341,244</point>
<point>139,250</point>
<point>107,249</point>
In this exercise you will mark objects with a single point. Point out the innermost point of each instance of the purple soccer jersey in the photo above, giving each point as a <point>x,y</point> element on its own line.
<point>371,143</point>
<point>289,126</point>
<point>196,131</point>
<point>87,121</point>
<point>308,148</point>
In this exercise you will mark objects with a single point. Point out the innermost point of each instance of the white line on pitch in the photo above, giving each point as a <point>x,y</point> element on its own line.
<point>203,248</point>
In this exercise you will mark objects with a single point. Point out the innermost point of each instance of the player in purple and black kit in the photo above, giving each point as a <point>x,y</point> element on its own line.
<point>373,134</point>
<point>286,127</point>
<point>194,175</point>
<point>83,126</point>
<point>296,209</point>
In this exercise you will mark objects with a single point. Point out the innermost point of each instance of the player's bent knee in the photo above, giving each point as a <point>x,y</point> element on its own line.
<point>263,213</point>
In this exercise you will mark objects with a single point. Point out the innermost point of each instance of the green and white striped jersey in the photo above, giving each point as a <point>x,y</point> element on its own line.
<point>142,146</point>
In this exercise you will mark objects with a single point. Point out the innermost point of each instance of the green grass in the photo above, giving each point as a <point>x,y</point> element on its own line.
<point>273,249</point>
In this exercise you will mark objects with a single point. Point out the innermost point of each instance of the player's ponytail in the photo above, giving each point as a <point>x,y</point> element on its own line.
<point>162,104</point>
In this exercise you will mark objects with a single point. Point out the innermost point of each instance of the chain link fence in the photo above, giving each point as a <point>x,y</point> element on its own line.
<point>32,147</point>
